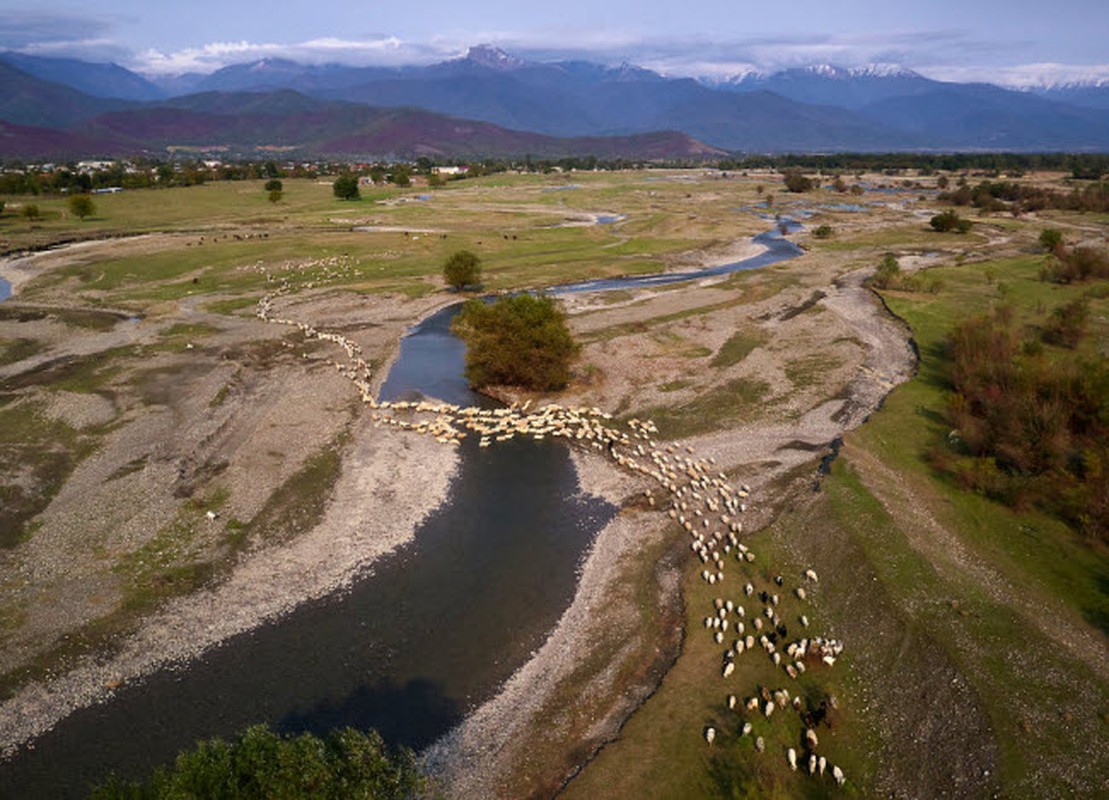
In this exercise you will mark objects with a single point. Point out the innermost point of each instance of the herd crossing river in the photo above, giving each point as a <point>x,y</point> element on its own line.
<point>424,637</point>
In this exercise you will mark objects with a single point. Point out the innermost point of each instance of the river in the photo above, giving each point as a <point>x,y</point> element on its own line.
<point>430,633</point>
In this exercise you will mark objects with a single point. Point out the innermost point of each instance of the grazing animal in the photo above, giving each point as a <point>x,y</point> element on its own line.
<point>710,734</point>
<point>746,728</point>
<point>821,763</point>
<point>791,756</point>
<point>837,773</point>
<point>760,745</point>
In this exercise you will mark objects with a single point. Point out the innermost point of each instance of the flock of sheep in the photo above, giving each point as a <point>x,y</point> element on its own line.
<point>700,501</point>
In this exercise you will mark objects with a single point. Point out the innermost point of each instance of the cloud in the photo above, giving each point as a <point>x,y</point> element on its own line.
<point>61,34</point>
<point>19,29</point>
<point>378,51</point>
<point>1024,76</point>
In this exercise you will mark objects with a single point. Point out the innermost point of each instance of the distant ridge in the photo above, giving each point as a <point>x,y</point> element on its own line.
<point>818,108</point>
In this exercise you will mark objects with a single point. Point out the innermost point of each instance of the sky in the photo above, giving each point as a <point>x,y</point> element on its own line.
<point>1016,42</point>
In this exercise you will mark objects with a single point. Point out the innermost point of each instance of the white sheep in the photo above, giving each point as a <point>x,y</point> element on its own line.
<point>791,756</point>
<point>811,575</point>
<point>710,734</point>
<point>729,668</point>
<point>837,773</point>
<point>746,729</point>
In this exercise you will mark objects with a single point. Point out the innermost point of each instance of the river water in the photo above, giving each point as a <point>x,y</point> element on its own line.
<point>431,632</point>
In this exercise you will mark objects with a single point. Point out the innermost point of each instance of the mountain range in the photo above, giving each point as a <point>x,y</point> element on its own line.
<point>491,103</point>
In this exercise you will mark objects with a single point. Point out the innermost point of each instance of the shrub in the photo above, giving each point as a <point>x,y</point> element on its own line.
<point>275,195</point>
<point>1076,264</point>
<point>262,764</point>
<point>516,341</point>
<point>888,273</point>
<point>950,221</point>
<point>795,181</point>
<point>81,206</point>
<point>346,187</point>
<point>1067,324</point>
<point>822,232</point>
<point>462,269</point>
<point>29,211</point>
<point>1051,239</point>
<point>1035,427</point>
<point>274,185</point>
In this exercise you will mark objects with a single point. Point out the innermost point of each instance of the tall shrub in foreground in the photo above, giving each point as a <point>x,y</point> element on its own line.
<point>516,341</point>
<point>261,765</point>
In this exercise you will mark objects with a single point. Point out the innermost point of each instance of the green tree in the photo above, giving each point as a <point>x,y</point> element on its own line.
<point>346,187</point>
<point>1051,239</point>
<point>401,177</point>
<point>950,221</point>
<point>796,182</point>
<point>888,273</point>
<point>461,269</point>
<point>274,185</point>
<point>261,764</point>
<point>81,206</point>
<point>516,341</point>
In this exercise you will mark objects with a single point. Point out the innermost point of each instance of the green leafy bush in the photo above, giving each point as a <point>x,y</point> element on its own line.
<point>516,341</point>
<point>461,269</point>
<point>346,187</point>
<point>262,765</point>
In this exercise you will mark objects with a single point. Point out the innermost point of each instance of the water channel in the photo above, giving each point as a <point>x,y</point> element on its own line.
<point>427,635</point>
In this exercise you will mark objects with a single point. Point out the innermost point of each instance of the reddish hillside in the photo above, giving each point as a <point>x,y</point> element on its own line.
<point>30,143</point>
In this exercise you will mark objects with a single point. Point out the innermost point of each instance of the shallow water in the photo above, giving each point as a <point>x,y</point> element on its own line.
<point>5,290</point>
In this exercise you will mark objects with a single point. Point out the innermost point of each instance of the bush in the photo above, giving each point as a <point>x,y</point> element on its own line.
<point>516,341</point>
<point>796,182</point>
<point>1075,264</point>
<point>888,274</point>
<point>950,221</point>
<point>274,185</point>
<point>1051,239</point>
<point>275,195</point>
<point>29,211</point>
<point>262,764</point>
<point>1067,324</point>
<point>1036,428</point>
<point>346,187</point>
<point>822,232</point>
<point>462,269</point>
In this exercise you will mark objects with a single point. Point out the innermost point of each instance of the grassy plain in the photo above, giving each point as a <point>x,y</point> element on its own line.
<point>975,635</point>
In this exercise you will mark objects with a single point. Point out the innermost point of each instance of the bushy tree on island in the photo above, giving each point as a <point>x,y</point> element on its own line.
<point>262,764</point>
<point>516,341</point>
<point>345,187</point>
<point>461,269</point>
